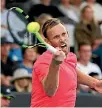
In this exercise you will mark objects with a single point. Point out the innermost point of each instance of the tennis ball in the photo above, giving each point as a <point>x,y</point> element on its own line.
<point>33,27</point>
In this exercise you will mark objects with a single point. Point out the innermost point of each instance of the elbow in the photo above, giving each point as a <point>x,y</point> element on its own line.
<point>50,91</point>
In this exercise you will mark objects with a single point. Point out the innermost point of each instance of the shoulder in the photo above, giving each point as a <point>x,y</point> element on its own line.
<point>45,58</point>
<point>79,25</point>
<point>71,57</point>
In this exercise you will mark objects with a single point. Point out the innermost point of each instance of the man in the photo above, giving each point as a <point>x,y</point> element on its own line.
<point>85,54</point>
<point>5,96</point>
<point>55,76</point>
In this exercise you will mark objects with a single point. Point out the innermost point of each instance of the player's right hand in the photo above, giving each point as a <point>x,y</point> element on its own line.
<point>59,56</point>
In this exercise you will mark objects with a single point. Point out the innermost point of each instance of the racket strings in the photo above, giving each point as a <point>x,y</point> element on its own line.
<point>35,45</point>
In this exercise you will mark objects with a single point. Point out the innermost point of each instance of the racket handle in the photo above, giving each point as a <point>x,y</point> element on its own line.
<point>51,48</point>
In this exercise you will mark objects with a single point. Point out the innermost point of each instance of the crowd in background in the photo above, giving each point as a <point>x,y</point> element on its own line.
<point>83,20</point>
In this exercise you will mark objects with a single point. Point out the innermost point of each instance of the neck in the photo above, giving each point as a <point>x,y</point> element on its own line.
<point>83,62</point>
<point>4,58</point>
<point>28,63</point>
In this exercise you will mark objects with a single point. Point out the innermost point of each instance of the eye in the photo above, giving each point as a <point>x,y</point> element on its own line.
<point>56,37</point>
<point>64,34</point>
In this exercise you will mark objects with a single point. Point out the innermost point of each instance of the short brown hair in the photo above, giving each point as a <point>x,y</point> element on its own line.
<point>49,24</point>
<point>83,44</point>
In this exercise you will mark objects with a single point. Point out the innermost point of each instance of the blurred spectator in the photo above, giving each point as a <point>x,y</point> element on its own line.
<point>13,20</point>
<point>41,20</point>
<point>89,68</point>
<point>97,41</point>
<point>7,66</point>
<point>44,7</point>
<point>94,75</point>
<point>65,8</point>
<point>4,27</point>
<point>5,96</point>
<point>97,51</point>
<point>97,8</point>
<point>76,7</point>
<point>15,54</point>
<point>86,89</point>
<point>84,64</point>
<point>88,27</point>
<point>29,57</point>
<point>21,80</point>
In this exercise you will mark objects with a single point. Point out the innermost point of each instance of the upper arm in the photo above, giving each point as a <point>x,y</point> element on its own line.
<point>41,71</point>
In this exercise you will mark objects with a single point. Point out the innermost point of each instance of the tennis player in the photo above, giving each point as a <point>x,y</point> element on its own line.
<point>55,76</point>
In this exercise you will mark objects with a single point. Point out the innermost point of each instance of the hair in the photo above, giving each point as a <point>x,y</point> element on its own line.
<point>23,51</point>
<point>93,74</point>
<point>49,24</point>
<point>42,19</point>
<point>83,10</point>
<point>83,44</point>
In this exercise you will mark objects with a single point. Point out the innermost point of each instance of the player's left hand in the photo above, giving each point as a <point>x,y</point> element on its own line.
<point>98,86</point>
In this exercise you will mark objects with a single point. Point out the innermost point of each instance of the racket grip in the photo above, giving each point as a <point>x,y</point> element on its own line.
<point>51,48</point>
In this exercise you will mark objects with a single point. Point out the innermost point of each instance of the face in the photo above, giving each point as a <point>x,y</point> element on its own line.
<point>88,14</point>
<point>57,36</point>
<point>23,82</point>
<point>5,102</point>
<point>30,54</point>
<point>85,52</point>
<point>5,48</point>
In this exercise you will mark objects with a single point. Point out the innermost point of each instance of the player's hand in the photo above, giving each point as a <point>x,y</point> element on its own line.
<point>59,56</point>
<point>98,86</point>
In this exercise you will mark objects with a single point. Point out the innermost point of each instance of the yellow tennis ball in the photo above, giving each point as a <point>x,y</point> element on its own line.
<point>33,27</point>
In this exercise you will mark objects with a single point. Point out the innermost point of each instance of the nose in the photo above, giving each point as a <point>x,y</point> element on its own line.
<point>62,38</point>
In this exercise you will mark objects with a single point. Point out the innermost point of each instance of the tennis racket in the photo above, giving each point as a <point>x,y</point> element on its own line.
<point>17,21</point>
<point>14,31</point>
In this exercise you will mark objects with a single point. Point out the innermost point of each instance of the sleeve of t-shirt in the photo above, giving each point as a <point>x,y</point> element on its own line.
<point>41,70</point>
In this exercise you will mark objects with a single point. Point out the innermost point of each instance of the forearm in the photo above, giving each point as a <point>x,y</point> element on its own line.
<point>51,81</point>
<point>86,79</point>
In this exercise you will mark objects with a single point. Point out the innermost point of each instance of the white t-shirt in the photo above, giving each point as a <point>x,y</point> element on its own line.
<point>69,13</point>
<point>91,67</point>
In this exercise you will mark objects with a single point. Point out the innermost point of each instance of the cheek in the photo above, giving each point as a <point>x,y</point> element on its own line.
<point>55,43</point>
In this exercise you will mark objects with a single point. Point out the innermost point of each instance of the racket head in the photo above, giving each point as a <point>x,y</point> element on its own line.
<point>17,21</point>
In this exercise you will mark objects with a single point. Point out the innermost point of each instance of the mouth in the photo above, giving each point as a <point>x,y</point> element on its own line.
<point>63,45</point>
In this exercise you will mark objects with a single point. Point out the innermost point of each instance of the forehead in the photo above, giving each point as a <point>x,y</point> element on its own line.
<point>85,47</point>
<point>56,30</point>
